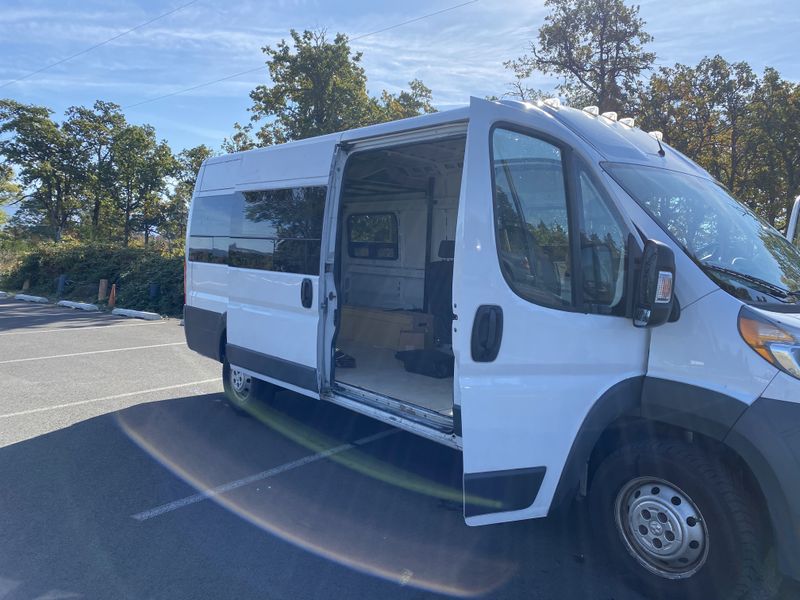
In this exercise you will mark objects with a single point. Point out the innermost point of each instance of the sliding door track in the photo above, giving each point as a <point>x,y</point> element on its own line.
<point>416,419</point>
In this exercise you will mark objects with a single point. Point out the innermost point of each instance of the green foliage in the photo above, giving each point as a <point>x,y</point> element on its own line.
<point>9,190</point>
<point>131,268</point>
<point>95,130</point>
<point>596,46</point>
<point>142,166</point>
<point>317,87</point>
<point>175,210</point>
<point>743,129</point>
<point>51,167</point>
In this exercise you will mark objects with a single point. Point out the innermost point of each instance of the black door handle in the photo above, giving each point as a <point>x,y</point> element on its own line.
<point>306,293</point>
<point>487,333</point>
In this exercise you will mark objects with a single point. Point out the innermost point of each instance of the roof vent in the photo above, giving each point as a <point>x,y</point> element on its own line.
<point>592,110</point>
<point>611,115</point>
<point>627,121</point>
<point>658,135</point>
<point>553,103</point>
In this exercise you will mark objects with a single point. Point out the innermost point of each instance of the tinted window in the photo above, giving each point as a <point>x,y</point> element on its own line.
<point>208,249</point>
<point>602,247</point>
<point>531,219</point>
<point>274,230</point>
<point>372,236</point>
<point>210,229</point>
<point>279,230</point>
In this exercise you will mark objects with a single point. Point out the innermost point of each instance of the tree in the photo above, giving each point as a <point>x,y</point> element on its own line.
<point>774,122</point>
<point>51,167</point>
<point>240,140</point>
<point>744,130</point>
<point>95,129</point>
<point>596,46</point>
<point>416,101</point>
<point>141,168</point>
<point>176,209</point>
<point>9,190</point>
<point>318,87</point>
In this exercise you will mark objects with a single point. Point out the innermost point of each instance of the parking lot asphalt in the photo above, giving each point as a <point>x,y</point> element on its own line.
<point>125,475</point>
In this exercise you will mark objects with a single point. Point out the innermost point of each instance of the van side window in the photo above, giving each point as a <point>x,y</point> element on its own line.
<point>278,230</point>
<point>602,247</point>
<point>210,229</point>
<point>531,217</point>
<point>372,236</point>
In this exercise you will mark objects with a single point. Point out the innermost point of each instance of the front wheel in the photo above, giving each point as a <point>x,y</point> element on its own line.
<point>676,518</point>
<point>243,390</point>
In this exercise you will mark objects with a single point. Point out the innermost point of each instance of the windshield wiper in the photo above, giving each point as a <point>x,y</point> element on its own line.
<point>752,279</point>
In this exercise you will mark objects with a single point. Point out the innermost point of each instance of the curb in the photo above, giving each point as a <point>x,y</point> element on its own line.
<point>136,314</point>
<point>78,305</point>
<point>26,298</point>
<point>3,295</point>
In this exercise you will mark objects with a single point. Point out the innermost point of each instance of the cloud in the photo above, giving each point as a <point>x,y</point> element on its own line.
<point>457,53</point>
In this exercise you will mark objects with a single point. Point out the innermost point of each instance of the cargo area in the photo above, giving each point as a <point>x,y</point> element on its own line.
<point>398,216</point>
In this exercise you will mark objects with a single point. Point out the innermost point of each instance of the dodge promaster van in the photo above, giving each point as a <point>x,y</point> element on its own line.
<point>573,304</point>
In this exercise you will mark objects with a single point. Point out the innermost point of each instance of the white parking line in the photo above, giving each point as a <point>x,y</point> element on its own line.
<point>36,315</point>
<point>19,360</point>
<point>56,329</point>
<point>227,487</point>
<point>103,399</point>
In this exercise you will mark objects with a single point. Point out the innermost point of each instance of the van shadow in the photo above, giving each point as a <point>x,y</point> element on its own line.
<point>389,508</point>
<point>32,317</point>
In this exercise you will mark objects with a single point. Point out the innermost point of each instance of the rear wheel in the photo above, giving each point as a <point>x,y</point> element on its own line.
<point>242,390</point>
<point>677,519</point>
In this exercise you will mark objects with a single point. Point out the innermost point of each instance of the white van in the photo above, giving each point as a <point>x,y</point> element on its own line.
<point>491,278</point>
<point>793,231</point>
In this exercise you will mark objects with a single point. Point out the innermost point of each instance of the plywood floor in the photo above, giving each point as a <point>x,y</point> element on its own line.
<point>377,370</point>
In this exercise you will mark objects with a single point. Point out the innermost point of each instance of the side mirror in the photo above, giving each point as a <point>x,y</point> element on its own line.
<point>654,296</point>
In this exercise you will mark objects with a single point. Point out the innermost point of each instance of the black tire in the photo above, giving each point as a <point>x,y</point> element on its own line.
<point>729,560</point>
<point>244,397</point>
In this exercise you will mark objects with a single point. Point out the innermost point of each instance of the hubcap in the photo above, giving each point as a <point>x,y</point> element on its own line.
<point>241,383</point>
<point>661,527</point>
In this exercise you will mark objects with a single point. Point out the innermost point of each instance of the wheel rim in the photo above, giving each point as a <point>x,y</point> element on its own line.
<point>240,382</point>
<point>662,527</point>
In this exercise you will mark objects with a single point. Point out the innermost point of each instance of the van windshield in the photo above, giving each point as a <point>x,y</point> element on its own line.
<point>744,255</point>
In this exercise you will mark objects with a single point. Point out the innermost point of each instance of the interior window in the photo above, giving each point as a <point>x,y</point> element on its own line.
<point>372,236</point>
<point>602,247</point>
<point>531,219</point>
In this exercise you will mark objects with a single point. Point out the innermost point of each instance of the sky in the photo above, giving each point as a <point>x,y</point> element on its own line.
<point>458,53</point>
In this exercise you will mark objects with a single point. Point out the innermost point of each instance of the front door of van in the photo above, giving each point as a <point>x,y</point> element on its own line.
<point>538,291</point>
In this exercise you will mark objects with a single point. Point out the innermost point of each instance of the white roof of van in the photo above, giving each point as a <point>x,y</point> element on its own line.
<point>308,161</point>
<point>302,162</point>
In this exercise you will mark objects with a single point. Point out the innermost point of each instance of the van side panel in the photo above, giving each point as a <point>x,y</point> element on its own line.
<point>266,317</point>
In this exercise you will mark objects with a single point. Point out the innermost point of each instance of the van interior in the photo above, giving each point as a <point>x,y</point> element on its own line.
<point>397,224</point>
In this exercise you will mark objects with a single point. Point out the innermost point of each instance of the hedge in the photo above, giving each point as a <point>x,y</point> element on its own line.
<point>132,269</point>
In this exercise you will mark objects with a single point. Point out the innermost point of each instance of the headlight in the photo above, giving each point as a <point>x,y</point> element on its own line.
<point>777,343</point>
